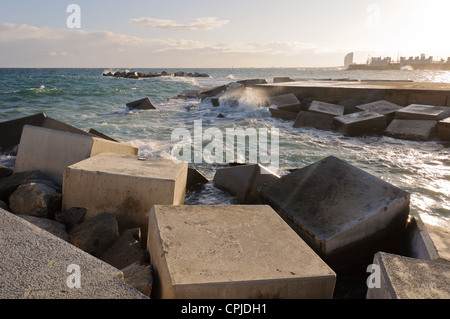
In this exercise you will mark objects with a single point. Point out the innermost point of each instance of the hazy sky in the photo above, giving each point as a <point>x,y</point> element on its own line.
<point>210,33</point>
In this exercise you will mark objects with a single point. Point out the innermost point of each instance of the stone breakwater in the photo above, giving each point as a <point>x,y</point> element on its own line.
<point>85,199</point>
<point>139,75</point>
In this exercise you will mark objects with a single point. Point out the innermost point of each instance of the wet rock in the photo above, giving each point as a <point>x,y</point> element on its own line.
<point>142,104</point>
<point>51,226</point>
<point>126,250</point>
<point>188,94</point>
<point>95,235</point>
<point>71,217</point>
<point>215,102</point>
<point>35,199</point>
<point>5,171</point>
<point>221,116</point>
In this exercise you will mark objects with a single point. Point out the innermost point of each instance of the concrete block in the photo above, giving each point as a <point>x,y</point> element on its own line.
<point>428,242</point>
<point>284,115</point>
<point>315,120</point>
<point>142,104</point>
<point>423,112</point>
<point>409,278</point>
<point>382,107</point>
<point>232,252</point>
<point>443,129</point>
<point>282,79</point>
<point>285,102</point>
<point>243,181</point>
<point>251,82</point>
<point>124,185</point>
<point>35,264</point>
<point>326,108</point>
<point>51,151</point>
<point>335,206</point>
<point>360,123</point>
<point>418,130</point>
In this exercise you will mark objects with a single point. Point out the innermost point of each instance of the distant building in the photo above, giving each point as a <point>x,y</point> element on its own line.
<point>416,60</point>
<point>348,59</point>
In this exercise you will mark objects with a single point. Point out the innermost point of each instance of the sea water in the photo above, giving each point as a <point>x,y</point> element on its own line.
<point>84,98</point>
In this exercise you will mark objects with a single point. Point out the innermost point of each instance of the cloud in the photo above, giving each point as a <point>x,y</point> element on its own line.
<point>207,23</point>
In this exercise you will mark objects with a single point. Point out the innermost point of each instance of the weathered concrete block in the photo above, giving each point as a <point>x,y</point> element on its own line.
<point>360,123</point>
<point>418,130</point>
<point>315,120</point>
<point>284,115</point>
<point>409,278</point>
<point>443,129</point>
<point>195,178</point>
<point>285,102</point>
<point>382,107</point>
<point>282,79</point>
<point>243,181</point>
<point>326,108</point>
<point>335,206</point>
<point>51,151</point>
<point>45,273</point>
<point>232,252</point>
<point>428,242</point>
<point>251,82</point>
<point>142,104</point>
<point>127,186</point>
<point>423,112</point>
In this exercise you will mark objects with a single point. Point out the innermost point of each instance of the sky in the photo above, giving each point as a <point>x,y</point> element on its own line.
<point>221,34</point>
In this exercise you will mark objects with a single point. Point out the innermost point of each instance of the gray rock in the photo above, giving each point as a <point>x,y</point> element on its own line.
<point>71,217</point>
<point>35,199</point>
<point>126,250</point>
<point>51,226</point>
<point>139,275</point>
<point>95,235</point>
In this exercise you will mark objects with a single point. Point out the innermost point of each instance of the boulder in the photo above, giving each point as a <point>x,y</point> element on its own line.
<point>51,226</point>
<point>126,250</point>
<point>35,199</point>
<point>9,184</point>
<point>5,171</point>
<point>142,104</point>
<point>139,275</point>
<point>71,216</point>
<point>95,235</point>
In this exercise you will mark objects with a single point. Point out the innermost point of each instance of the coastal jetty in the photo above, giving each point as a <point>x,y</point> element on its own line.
<point>139,75</point>
<point>123,218</point>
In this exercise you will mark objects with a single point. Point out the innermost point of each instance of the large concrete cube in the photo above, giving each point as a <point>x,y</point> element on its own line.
<point>326,108</point>
<point>124,185</point>
<point>36,264</point>
<point>417,130</point>
<point>316,120</point>
<point>443,129</point>
<point>360,123</point>
<point>409,278</point>
<point>381,107</point>
<point>51,151</point>
<point>423,112</point>
<point>285,102</point>
<point>232,252</point>
<point>243,181</point>
<point>335,206</point>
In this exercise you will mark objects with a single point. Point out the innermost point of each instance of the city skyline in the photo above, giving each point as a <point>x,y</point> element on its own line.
<point>208,34</point>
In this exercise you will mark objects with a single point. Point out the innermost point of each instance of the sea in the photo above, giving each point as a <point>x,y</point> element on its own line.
<point>86,99</point>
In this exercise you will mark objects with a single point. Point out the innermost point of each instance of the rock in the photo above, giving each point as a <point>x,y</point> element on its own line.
<point>95,235</point>
<point>71,217</point>
<point>195,178</point>
<point>126,250</point>
<point>142,104</point>
<point>417,130</point>
<point>221,116</point>
<point>5,171</point>
<point>164,73</point>
<point>215,102</point>
<point>35,199</point>
<point>51,226</point>
<point>10,183</point>
<point>315,120</point>
<point>188,94</point>
<point>4,206</point>
<point>139,275</point>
